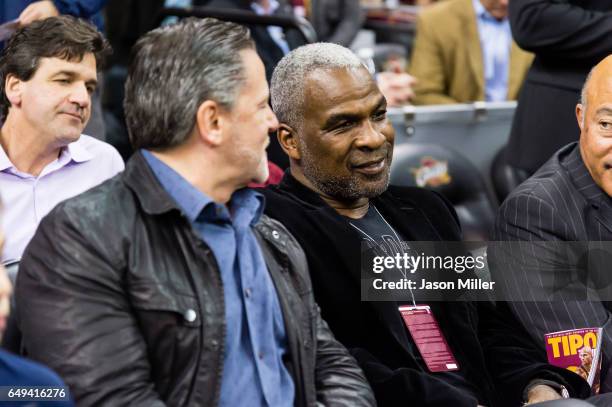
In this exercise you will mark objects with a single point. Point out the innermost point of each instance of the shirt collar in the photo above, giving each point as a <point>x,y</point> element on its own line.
<point>76,152</point>
<point>482,13</point>
<point>187,197</point>
<point>5,163</point>
<point>73,152</point>
<point>246,204</point>
<point>274,5</point>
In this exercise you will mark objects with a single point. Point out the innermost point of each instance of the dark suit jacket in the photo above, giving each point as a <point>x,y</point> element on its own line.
<point>567,38</point>
<point>336,21</point>
<point>374,331</point>
<point>559,203</point>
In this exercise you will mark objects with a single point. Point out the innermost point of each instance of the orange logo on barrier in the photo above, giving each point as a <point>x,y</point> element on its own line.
<point>431,173</point>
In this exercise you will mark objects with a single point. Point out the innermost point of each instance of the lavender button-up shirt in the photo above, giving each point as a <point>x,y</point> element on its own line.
<point>27,199</point>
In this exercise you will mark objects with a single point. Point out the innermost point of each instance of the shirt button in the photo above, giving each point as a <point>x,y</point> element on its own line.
<point>247,293</point>
<point>214,344</point>
<point>275,234</point>
<point>190,315</point>
<point>260,355</point>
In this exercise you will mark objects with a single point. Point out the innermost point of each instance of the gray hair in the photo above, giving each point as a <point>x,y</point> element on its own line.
<point>174,69</point>
<point>289,77</point>
<point>583,93</point>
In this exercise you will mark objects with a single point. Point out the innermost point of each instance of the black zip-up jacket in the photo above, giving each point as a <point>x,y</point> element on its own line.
<point>119,295</point>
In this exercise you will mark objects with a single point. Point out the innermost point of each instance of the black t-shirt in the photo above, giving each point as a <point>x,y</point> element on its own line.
<point>384,240</point>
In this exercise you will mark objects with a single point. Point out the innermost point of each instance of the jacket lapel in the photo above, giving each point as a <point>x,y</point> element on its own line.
<point>516,73</point>
<point>599,208</point>
<point>344,238</point>
<point>604,217</point>
<point>348,246</point>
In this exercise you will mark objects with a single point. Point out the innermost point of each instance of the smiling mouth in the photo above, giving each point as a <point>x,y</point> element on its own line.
<point>76,116</point>
<point>371,167</point>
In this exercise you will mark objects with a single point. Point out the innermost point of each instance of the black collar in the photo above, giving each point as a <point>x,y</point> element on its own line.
<point>139,177</point>
<point>571,160</point>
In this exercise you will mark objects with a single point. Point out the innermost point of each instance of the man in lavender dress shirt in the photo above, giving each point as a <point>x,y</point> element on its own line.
<point>48,73</point>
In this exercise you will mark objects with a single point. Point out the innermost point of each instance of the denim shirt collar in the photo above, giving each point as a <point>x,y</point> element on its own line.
<point>245,207</point>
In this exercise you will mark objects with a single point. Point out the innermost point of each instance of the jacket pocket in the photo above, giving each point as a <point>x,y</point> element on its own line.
<point>156,297</point>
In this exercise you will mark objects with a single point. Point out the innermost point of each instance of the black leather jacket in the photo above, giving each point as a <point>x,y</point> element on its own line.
<point>118,294</point>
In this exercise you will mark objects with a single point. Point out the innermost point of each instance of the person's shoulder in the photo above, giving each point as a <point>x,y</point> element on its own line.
<point>109,201</point>
<point>103,155</point>
<point>544,184</point>
<point>96,147</point>
<point>280,200</point>
<point>443,9</point>
<point>438,210</point>
<point>421,198</point>
<point>433,204</point>
<point>15,370</point>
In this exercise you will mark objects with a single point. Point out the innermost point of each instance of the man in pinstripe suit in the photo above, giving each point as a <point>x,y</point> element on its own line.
<point>566,200</point>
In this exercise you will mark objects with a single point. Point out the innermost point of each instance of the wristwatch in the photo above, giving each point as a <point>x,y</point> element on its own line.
<point>559,388</point>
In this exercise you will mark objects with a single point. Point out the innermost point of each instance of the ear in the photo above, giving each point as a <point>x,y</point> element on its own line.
<point>13,89</point>
<point>287,138</point>
<point>209,123</point>
<point>580,116</point>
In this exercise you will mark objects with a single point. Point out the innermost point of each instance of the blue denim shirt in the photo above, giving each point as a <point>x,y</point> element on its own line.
<point>254,373</point>
<point>496,42</point>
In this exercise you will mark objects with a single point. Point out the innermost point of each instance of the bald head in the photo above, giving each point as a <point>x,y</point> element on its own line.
<point>594,115</point>
<point>599,73</point>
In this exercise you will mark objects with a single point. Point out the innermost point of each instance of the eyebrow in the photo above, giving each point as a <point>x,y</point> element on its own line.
<point>605,110</point>
<point>341,117</point>
<point>72,74</point>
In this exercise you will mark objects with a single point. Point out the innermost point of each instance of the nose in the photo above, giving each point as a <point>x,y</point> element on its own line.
<point>80,95</point>
<point>370,138</point>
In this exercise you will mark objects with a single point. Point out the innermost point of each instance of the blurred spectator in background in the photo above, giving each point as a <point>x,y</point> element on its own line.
<point>567,38</point>
<point>463,52</point>
<point>28,11</point>
<point>171,285</point>
<point>398,88</point>
<point>272,42</point>
<point>47,77</point>
<point>16,371</point>
<point>336,21</point>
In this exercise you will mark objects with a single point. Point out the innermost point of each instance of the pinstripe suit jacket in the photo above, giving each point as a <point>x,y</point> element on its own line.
<point>560,202</point>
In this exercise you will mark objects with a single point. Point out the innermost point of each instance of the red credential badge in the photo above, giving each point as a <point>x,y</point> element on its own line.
<point>428,337</point>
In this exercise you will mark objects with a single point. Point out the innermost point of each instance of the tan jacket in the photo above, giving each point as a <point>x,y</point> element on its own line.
<point>447,57</point>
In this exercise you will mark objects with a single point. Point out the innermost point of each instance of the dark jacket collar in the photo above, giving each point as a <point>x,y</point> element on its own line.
<point>139,177</point>
<point>394,204</point>
<point>300,191</point>
<point>571,159</point>
<point>396,207</point>
<point>599,204</point>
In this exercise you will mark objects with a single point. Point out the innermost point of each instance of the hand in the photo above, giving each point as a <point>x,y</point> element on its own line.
<point>540,393</point>
<point>396,87</point>
<point>39,10</point>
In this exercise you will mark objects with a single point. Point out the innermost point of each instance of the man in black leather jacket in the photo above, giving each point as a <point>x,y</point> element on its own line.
<point>166,285</point>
